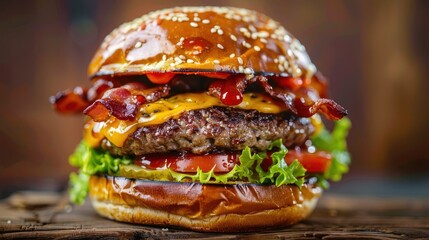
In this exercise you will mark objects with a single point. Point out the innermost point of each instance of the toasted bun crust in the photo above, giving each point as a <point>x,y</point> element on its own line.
<point>202,39</point>
<point>202,207</point>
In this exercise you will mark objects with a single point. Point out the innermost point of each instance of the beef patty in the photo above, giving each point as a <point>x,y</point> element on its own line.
<point>216,129</point>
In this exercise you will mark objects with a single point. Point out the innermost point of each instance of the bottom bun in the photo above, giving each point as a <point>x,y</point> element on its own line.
<point>202,207</point>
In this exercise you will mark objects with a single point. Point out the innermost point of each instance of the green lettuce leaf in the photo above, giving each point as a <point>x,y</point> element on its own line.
<point>250,169</point>
<point>335,143</point>
<point>79,187</point>
<point>90,161</point>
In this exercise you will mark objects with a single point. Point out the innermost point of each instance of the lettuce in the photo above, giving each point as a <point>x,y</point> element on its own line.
<point>90,161</point>
<point>250,169</point>
<point>78,187</point>
<point>335,143</point>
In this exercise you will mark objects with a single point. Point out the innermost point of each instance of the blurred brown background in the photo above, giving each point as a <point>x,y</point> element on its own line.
<point>375,54</point>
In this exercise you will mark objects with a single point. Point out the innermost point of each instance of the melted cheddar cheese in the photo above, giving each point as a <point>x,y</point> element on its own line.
<point>117,131</point>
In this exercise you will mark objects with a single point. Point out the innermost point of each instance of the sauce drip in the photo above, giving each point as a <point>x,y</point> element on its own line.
<point>229,94</point>
<point>160,78</point>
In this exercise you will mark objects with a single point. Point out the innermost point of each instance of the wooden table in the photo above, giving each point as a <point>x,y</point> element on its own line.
<point>337,217</point>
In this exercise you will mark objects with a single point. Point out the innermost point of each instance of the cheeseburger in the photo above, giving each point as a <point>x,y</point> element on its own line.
<point>206,118</point>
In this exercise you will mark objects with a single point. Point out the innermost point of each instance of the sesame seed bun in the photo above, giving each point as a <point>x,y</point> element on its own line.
<point>202,39</point>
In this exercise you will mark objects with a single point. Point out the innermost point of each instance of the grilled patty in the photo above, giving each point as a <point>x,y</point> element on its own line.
<point>216,129</point>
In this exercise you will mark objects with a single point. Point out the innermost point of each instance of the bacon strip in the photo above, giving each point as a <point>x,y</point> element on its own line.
<point>124,102</point>
<point>306,104</point>
<point>76,100</point>
<point>105,98</point>
<point>70,101</point>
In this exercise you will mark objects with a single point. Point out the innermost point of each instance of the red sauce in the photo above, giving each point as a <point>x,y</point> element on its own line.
<point>160,78</point>
<point>229,94</point>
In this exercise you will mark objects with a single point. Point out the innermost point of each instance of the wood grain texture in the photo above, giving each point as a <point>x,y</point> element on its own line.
<point>337,217</point>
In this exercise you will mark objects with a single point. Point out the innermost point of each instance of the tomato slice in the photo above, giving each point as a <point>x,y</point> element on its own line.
<point>317,162</point>
<point>160,78</point>
<point>189,163</point>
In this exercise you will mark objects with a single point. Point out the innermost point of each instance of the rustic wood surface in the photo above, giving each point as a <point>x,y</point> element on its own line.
<point>29,216</point>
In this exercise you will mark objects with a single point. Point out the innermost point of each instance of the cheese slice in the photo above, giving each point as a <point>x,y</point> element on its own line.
<point>117,131</point>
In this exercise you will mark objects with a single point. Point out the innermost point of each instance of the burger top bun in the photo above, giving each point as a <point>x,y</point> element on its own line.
<point>201,39</point>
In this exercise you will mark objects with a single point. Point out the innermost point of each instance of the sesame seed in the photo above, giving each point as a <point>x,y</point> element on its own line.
<point>233,38</point>
<point>172,64</point>
<point>252,28</point>
<point>190,61</point>
<point>138,44</point>
<point>180,41</point>
<point>182,57</point>
<point>194,24</point>
<point>286,64</point>
<point>197,19</point>
<point>206,21</point>
<point>242,29</point>
<point>263,40</point>
<point>216,61</point>
<point>257,48</point>
<point>178,60</point>
<point>220,32</point>
<point>248,70</point>
<point>213,30</point>
<point>297,71</point>
<point>240,69</point>
<point>240,60</point>
<point>220,46</point>
<point>281,68</point>
<point>164,57</point>
<point>263,34</point>
<point>232,55</point>
<point>217,27</point>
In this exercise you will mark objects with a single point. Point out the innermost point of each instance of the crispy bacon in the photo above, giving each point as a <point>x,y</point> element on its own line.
<point>78,99</point>
<point>106,98</point>
<point>70,101</point>
<point>304,102</point>
<point>123,102</point>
